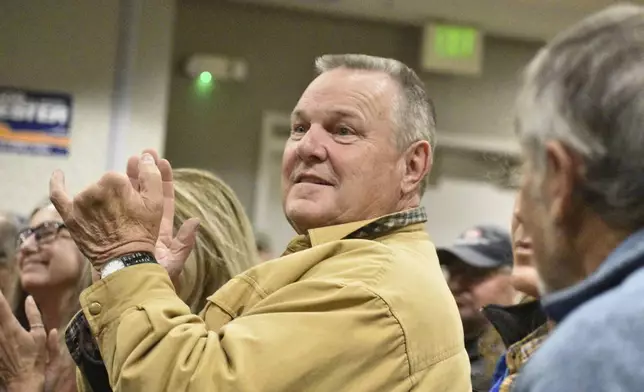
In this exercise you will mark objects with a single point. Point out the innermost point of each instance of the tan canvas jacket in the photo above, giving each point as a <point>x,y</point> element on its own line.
<point>335,313</point>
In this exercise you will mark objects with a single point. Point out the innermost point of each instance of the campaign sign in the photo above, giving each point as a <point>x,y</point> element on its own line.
<point>34,122</point>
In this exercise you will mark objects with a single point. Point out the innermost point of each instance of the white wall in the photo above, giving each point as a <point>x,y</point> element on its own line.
<point>455,205</point>
<point>71,46</point>
<point>482,105</point>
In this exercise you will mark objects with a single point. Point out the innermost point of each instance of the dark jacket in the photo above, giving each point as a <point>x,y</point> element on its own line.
<point>522,328</point>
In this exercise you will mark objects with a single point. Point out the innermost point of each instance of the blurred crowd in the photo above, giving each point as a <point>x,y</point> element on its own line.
<point>155,280</point>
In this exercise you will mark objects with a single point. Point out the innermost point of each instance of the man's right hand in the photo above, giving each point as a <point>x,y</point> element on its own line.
<point>170,251</point>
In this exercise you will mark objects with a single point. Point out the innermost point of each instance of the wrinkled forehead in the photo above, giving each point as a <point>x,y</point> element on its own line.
<point>349,92</point>
<point>378,81</point>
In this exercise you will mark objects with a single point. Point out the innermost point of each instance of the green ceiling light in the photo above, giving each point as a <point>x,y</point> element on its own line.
<point>205,77</point>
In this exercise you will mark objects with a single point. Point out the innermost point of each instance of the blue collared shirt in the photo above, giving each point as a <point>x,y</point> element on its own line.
<point>598,344</point>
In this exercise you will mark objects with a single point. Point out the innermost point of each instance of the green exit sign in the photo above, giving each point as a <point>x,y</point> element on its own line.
<point>455,41</point>
<point>450,48</point>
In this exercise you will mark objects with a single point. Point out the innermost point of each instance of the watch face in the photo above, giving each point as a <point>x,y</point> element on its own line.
<point>111,267</point>
<point>125,261</point>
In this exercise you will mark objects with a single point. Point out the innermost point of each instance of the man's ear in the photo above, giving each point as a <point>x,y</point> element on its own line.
<point>418,162</point>
<point>562,171</point>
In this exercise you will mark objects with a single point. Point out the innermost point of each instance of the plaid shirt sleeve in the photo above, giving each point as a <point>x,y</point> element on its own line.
<point>84,351</point>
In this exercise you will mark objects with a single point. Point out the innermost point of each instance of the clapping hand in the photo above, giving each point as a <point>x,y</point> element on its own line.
<point>170,251</point>
<point>26,356</point>
<point>111,218</point>
<point>125,214</point>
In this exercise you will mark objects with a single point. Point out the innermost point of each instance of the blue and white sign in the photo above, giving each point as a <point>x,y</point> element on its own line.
<point>34,122</point>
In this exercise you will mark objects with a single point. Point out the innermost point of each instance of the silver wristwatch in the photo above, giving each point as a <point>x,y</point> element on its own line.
<point>125,261</point>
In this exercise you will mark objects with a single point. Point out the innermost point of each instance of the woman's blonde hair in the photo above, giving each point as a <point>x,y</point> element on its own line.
<point>225,243</point>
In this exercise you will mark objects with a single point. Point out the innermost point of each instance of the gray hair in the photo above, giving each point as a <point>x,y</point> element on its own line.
<point>586,90</point>
<point>413,110</point>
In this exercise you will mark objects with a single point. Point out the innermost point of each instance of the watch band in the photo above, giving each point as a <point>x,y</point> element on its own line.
<point>125,261</point>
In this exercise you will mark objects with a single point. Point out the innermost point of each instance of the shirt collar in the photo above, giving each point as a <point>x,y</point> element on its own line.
<point>519,352</point>
<point>365,229</point>
<point>620,263</point>
<point>370,228</point>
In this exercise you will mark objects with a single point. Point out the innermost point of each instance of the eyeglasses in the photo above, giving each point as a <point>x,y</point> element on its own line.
<point>45,232</point>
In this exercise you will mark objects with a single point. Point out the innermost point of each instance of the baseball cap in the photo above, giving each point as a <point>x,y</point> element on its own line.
<point>484,246</point>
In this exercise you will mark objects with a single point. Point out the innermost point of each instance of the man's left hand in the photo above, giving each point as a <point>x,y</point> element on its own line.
<point>111,218</point>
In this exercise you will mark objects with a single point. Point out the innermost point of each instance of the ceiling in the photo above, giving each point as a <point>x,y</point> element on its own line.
<point>524,19</point>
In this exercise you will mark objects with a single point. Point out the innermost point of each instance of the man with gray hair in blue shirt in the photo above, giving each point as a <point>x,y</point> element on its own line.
<point>580,120</point>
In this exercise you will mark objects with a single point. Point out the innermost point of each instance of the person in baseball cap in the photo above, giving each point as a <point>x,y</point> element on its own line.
<point>477,268</point>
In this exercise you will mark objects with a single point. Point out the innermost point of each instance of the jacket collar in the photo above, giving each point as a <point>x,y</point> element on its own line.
<point>326,234</point>
<point>369,228</point>
<point>364,229</point>
<point>623,261</point>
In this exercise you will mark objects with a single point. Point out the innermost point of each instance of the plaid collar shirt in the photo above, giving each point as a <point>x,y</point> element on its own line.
<point>519,353</point>
<point>84,349</point>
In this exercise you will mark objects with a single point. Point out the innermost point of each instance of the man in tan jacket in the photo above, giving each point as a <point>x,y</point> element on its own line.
<point>356,303</point>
